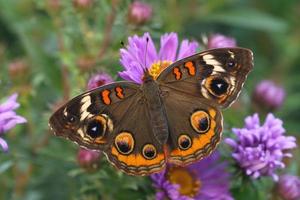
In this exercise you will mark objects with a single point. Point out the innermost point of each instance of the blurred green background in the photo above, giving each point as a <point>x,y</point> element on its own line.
<point>50,48</point>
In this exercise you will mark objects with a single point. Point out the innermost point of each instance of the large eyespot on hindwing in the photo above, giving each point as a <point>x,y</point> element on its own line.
<point>97,127</point>
<point>124,143</point>
<point>200,121</point>
<point>149,151</point>
<point>184,142</point>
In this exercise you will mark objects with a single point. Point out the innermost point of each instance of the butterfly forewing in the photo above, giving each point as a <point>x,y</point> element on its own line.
<point>89,119</point>
<point>219,73</point>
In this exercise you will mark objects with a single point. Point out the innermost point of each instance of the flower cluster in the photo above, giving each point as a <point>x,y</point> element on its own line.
<point>259,149</point>
<point>203,180</point>
<point>9,118</point>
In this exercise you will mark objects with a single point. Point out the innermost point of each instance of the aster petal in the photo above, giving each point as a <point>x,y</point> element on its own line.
<point>168,47</point>
<point>10,103</point>
<point>139,54</point>
<point>187,49</point>
<point>231,142</point>
<point>13,122</point>
<point>133,73</point>
<point>3,145</point>
<point>252,122</point>
<point>275,177</point>
<point>160,196</point>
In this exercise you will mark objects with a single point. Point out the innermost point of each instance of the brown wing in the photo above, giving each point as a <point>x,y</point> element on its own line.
<point>114,119</point>
<point>219,73</point>
<point>89,119</point>
<point>147,154</point>
<point>195,127</point>
<point>193,90</point>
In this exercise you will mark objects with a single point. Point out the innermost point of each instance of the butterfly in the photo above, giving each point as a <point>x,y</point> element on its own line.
<point>175,118</point>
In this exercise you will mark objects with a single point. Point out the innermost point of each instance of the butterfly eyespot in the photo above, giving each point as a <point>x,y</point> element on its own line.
<point>71,119</point>
<point>184,142</point>
<point>231,63</point>
<point>200,121</point>
<point>149,151</point>
<point>218,86</point>
<point>96,128</point>
<point>124,143</point>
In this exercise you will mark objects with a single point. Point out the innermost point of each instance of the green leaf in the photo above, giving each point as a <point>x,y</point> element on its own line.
<point>248,18</point>
<point>5,166</point>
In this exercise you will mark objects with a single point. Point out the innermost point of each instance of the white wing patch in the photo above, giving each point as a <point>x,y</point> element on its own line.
<point>85,103</point>
<point>210,60</point>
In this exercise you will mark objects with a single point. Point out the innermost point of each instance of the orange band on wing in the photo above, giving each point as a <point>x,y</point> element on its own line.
<point>191,68</point>
<point>137,160</point>
<point>200,141</point>
<point>105,97</point>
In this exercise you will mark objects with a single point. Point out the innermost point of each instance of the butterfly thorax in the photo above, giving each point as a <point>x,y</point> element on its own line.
<point>156,112</point>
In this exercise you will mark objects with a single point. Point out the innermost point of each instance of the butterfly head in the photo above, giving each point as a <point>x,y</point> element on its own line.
<point>78,122</point>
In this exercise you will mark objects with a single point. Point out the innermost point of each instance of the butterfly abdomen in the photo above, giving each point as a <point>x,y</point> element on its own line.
<point>156,111</point>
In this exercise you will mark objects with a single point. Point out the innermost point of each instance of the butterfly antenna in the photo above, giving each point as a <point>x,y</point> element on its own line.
<point>145,56</point>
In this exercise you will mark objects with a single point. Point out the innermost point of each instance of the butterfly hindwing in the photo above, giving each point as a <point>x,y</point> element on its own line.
<point>146,155</point>
<point>195,127</point>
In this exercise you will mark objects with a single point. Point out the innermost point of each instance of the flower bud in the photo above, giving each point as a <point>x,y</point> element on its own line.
<point>139,13</point>
<point>220,41</point>
<point>289,187</point>
<point>88,159</point>
<point>98,80</point>
<point>17,68</point>
<point>268,95</point>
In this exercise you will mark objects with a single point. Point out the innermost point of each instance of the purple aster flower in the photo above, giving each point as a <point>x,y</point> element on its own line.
<point>8,118</point>
<point>98,80</point>
<point>203,180</point>
<point>220,41</point>
<point>289,187</point>
<point>141,53</point>
<point>139,13</point>
<point>259,149</point>
<point>268,95</point>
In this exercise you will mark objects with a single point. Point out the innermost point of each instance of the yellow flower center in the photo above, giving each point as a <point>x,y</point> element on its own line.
<point>188,183</point>
<point>157,67</point>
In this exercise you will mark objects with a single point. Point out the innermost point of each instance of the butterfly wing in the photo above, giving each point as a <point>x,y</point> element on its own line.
<point>195,127</point>
<point>193,90</point>
<point>219,73</point>
<point>106,119</point>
